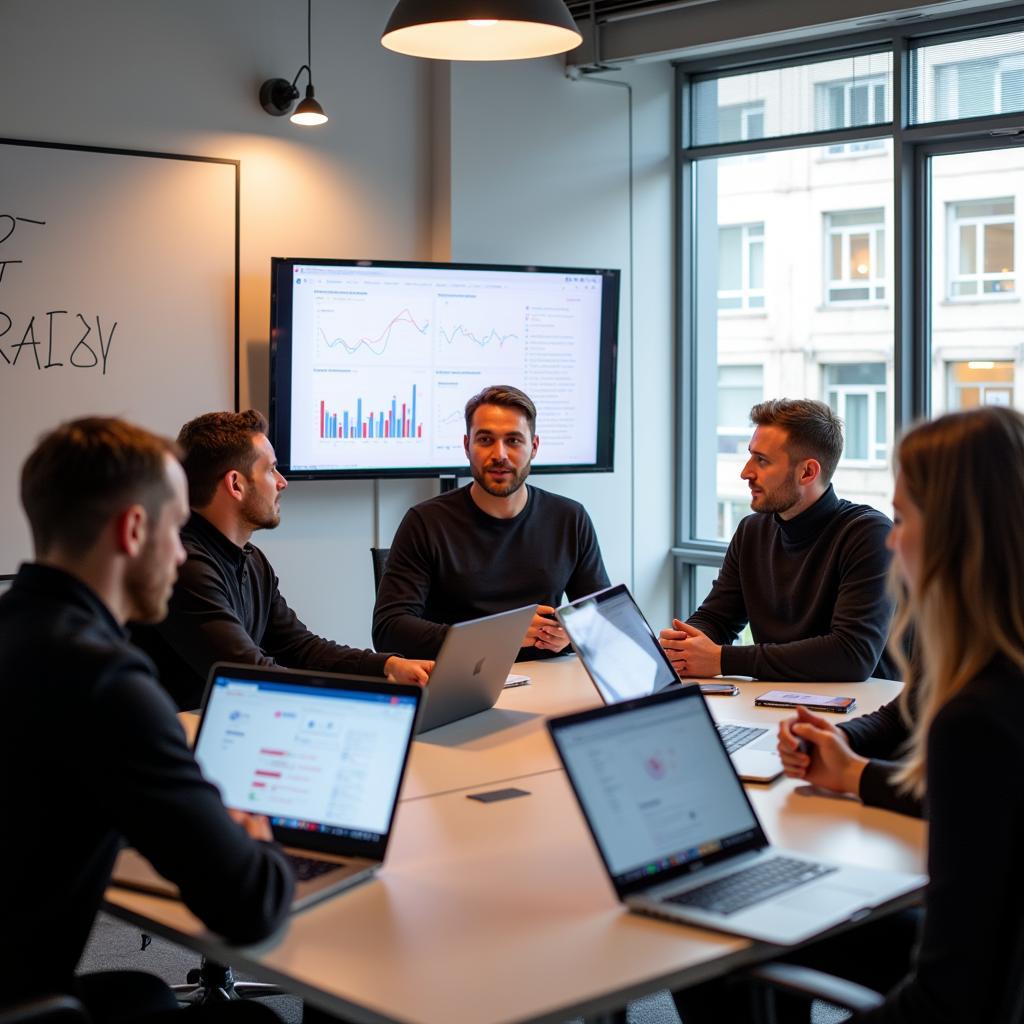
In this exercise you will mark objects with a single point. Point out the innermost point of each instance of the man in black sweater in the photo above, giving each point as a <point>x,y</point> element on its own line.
<point>494,545</point>
<point>226,605</point>
<point>93,752</point>
<point>808,572</point>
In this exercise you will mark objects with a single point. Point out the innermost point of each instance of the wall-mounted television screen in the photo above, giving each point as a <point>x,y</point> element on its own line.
<point>372,362</point>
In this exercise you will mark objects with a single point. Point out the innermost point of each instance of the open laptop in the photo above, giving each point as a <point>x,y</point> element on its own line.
<point>679,837</point>
<point>321,755</point>
<point>472,666</point>
<point>623,658</point>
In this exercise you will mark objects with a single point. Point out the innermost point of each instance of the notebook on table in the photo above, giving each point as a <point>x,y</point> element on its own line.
<point>472,666</point>
<point>679,837</point>
<point>321,755</point>
<point>623,658</point>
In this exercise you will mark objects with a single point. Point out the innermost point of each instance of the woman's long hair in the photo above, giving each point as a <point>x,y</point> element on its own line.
<point>965,473</point>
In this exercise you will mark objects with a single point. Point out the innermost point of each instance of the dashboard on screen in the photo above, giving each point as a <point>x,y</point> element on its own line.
<point>372,363</point>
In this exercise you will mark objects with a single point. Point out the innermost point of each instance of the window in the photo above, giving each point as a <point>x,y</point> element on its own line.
<point>974,88</point>
<point>981,248</point>
<point>741,267</point>
<point>979,382</point>
<point>741,121</point>
<point>856,393</point>
<point>855,256</point>
<point>739,389</point>
<point>851,104</point>
<point>730,512</point>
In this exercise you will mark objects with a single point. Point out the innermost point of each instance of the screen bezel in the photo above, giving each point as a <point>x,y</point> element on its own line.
<point>281,277</point>
<point>324,842</point>
<point>757,839</point>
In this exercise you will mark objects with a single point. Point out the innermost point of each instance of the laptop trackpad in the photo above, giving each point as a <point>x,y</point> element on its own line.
<point>826,898</point>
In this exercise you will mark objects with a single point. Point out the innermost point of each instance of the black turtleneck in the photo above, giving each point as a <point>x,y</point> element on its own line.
<point>813,589</point>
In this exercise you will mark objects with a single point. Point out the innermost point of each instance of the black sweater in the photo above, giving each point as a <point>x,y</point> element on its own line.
<point>450,561</point>
<point>94,754</point>
<point>881,736</point>
<point>813,590</point>
<point>974,903</point>
<point>227,606</point>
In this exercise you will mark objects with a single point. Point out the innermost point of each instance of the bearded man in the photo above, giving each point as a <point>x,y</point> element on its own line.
<point>495,544</point>
<point>807,571</point>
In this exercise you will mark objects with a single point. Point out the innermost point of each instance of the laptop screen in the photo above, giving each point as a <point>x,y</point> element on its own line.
<point>618,648</point>
<point>315,759</point>
<point>655,785</point>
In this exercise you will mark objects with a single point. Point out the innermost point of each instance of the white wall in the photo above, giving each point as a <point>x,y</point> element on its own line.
<point>183,77</point>
<point>539,174</point>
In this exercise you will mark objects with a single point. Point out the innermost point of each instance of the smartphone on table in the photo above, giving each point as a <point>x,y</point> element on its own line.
<point>811,701</point>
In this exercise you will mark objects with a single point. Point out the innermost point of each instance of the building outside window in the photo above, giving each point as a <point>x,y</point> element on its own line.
<point>741,266</point>
<point>855,256</point>
<point>849,104</point>
<point>730,512</point>
<point>739,389</point>
<point>981,249</point>
<point>856,394</point>
<point>976,382</point>
<point>974,88</point>
<point>741,121</point>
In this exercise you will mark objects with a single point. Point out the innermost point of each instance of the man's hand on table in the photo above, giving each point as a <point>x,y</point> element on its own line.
<point>408,670</point>
<point>691,652</point>
<point>545,633</point>
<point>256,825</point>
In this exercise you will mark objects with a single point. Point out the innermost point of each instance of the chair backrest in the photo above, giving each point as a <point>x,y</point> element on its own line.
<point>380,563</point>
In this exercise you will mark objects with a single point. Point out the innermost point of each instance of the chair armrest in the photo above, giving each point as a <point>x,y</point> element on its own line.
<point>45,1010</point>
<point>816,985</point>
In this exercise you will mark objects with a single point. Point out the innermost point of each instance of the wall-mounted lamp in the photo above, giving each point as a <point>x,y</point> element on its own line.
<point>481,29</point>
<point>278,94</point>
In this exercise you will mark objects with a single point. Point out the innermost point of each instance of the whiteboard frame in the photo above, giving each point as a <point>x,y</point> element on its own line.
<point>156,155</point>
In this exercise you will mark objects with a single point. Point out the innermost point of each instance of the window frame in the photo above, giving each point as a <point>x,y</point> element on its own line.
<point>745,293</point>
<point>874,284</point>
<point>874,393</point>
<point>979,277</point>
<point>914,145</point>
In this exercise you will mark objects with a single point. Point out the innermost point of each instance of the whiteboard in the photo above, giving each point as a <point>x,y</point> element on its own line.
<point>118,296</point>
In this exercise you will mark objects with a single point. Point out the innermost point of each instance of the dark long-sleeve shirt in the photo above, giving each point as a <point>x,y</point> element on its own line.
<point>974,904</point>
<point>450,561</point>
<point>93,753</point>
<point>813,589</point>
<point>881,736</point>
<point>227,606</point>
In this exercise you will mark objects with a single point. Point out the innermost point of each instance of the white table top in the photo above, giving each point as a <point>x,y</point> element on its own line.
<point>502,912</point>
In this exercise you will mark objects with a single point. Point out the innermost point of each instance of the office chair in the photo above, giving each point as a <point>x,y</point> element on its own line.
<point>211,982</point>
<point>811,984</point>
<point>52,1009</point>
<point>380,563</point>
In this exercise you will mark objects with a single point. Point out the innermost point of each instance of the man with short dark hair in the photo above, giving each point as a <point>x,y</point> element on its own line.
<point>494,545</point>
<point>93,751</point>
<point>227,605</point>
<point>808,573</point>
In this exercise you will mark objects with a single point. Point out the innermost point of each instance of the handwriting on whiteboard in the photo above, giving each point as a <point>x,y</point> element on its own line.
<point>54,338</point>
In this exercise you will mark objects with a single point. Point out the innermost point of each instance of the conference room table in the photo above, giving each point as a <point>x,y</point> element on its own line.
<point>502,912</point>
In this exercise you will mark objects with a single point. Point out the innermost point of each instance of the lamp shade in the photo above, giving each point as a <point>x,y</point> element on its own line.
<point>481,29</point>
<point>309,111</point>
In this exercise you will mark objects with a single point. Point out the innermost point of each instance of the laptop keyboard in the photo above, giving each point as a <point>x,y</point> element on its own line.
<point>743,889</point>
<point>308,868</point>
<point>736,736</point>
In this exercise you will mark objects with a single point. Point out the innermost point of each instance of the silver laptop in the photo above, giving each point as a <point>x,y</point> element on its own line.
<point>679,837</point>
<point>321,755</point>
<point>472,666</point>
<point>623,658</point>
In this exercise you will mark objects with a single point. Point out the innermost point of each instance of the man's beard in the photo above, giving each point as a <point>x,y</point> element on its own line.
<point>782,499</point>
<point>502,490</point>
<point>258,515</point>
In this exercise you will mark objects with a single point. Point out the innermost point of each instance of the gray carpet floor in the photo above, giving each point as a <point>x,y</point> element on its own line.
<point>115,946</point>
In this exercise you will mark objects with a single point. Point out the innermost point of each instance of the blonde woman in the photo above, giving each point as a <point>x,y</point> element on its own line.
<point>958,546</point>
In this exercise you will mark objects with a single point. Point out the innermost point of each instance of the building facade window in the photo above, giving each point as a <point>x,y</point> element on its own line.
<point>741,121</point>
<point>975,88</point>
<point>855,256</point>
<point>850,104</point>
<point>981,249</point>
<point>856,394</point>
<point>741,267</point>
<point>739,389</point>
<point>975,382</point>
